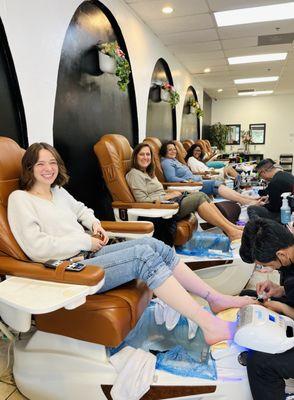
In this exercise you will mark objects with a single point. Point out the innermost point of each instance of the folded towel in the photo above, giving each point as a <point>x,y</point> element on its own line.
<point>135,369</point>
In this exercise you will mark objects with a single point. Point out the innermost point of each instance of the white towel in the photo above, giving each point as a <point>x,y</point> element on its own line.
<point>165,314</point>
<point>135,369</point>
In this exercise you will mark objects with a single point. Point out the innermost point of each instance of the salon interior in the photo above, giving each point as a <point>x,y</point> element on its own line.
<point>94,79</point>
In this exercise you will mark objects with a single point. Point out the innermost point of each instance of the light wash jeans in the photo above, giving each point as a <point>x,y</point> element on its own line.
<point>148,259</point>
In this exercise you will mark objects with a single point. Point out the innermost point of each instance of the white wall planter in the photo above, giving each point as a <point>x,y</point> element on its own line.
<point>106,63</point>
<point>164,95</point>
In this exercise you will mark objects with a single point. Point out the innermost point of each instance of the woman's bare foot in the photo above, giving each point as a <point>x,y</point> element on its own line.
<point>235,234</point>
<point>218,331</point>
<point>222,302</point>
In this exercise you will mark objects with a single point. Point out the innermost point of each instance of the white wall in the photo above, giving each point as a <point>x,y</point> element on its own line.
<point>277,112</point>
<point>36,29</point>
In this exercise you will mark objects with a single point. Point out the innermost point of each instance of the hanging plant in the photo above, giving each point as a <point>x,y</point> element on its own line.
<point>195,107</point>
<point>169,94</point>
<point>122,66</point>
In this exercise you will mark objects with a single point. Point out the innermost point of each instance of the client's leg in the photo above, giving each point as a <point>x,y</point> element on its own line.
<point>217,301</point>
<point>230,194</point>
<point>207,212</point>
<point>141,261</point>
<point>230,171</point>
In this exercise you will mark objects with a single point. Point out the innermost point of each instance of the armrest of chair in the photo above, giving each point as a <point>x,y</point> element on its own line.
<point>180,184</point>
<point>159,206</point>
<point>150,210</point>
<point>142,227</point>
<point>89,276</point>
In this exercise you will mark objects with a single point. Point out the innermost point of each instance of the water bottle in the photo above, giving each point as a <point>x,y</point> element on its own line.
<point>285,209</point>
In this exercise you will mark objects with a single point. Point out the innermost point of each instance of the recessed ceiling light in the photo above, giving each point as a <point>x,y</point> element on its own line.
<point>220,90</point>
<point>255,93</point>
<point>167,10</point>
<point>257,58</point>
<point>256,80</point>
<point>275,12</point>
<point>207,70</point>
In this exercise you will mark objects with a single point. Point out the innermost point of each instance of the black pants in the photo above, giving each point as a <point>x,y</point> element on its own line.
<point>262,212</point>
<point>266,374</point>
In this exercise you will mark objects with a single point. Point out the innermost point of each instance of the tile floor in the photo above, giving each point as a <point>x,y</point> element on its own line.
<point>10,392</point>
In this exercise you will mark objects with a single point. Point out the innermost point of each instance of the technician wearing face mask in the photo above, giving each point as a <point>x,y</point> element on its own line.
<point>270,244</point>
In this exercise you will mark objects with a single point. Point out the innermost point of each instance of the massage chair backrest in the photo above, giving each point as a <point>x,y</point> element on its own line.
<point>10,168</point>
<point>188,143</point>
<point>155,145</point>
<point>181,152</point>
<point>114,154</point>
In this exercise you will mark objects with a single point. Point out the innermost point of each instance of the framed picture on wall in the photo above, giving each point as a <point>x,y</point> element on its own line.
<point>257,133</point>
<point>234,134</point>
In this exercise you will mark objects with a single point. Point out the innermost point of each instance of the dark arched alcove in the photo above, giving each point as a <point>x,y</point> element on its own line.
<point>161,118</point>
<point>89,104</point>
<point>12,116</point>
<point>190,128</point>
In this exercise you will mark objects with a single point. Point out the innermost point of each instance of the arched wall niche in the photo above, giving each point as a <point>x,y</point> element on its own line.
<point>12,115</point>
<point>89,104</point>
<point>161,118</point>
<point>190,128</point>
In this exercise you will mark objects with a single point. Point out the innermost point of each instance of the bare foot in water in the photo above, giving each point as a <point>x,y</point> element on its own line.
<point>218,331</point>
<point>222,302</point>
<point>235,234</point>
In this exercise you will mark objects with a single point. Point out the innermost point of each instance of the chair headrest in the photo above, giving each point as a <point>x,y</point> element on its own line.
<point>114,154</point>
<point>155,145</point>
<point>181,152</point>
<point>10,168</point>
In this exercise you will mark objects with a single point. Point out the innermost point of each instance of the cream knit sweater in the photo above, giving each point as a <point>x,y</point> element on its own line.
<point>49,229</point>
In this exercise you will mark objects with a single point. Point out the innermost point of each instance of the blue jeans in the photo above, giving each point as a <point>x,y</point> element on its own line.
<point>210,187</point>
<point>148,259</point>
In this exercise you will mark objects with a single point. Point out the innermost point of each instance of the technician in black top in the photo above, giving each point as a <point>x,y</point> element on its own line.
<point>270,244</point>
<point>279,182</point>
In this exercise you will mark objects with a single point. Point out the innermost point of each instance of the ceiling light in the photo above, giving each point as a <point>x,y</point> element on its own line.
<point>207,70</point>
<point>256,80</point>
<point>220,90</point>
<point>257,58</point>
<point>255,93</point>
<point>275,12</point>
<point>167,10</point>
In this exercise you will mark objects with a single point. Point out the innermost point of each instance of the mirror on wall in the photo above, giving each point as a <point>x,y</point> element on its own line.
<point>190,128</point>
<point>89,103</point>
<point>12,115</point>
<point>161,117</point>
<point>234,134</point>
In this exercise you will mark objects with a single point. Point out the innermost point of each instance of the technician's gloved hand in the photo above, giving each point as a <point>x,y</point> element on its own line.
<point>269,289</point>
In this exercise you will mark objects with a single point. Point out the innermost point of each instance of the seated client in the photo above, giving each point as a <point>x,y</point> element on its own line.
<point>175,171</point>
<point>147,188</point>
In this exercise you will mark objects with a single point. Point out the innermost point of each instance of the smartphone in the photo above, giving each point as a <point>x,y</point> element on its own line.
<point>166,202</point>
<point>75,266</point>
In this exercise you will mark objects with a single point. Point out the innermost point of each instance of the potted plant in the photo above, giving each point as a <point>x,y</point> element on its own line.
<point>195,107</point>
<point>169,94</point>
<point>112,60</point>
<point>218,135</point>
<point>246,139</point>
